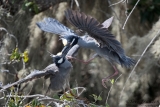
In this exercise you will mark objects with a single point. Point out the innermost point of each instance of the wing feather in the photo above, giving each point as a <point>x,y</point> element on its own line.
<point>54,26</point>
<point>95,30</point>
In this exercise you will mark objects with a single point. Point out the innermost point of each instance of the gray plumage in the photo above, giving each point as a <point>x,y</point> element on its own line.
<point>60,80</point>
<point>88,42</point>
<point>54,26</point>
<point>100,39</point>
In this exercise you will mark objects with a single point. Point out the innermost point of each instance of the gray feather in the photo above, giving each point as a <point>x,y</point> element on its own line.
<point>60,80</point>
<point>54,26</point>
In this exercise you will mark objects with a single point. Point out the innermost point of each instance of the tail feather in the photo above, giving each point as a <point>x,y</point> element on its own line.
<point>127,62</point>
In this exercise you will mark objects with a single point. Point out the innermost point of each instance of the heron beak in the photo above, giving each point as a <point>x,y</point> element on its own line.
<point>64,41</point>
<point>66,49</point>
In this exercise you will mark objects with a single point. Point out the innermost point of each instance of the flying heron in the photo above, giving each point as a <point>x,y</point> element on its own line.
<point>98,39</point>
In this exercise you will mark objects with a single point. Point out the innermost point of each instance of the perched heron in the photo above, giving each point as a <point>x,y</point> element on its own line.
<point>59,73</point>
<point>98,39</point>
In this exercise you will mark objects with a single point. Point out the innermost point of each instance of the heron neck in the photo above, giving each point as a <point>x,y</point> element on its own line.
<point>66,64</point>
<point>86,44</point>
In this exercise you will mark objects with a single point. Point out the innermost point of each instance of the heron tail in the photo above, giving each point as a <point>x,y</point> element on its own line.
<point>127,62</point>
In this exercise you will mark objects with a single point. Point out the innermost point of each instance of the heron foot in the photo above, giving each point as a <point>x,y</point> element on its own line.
<point>104,81</point>
<point>73,58</point>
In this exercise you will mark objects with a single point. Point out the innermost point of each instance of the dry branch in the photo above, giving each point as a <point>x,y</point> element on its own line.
<point>33,75</point>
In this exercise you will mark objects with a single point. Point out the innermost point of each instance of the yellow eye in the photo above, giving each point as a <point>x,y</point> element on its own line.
<point>64,41</point>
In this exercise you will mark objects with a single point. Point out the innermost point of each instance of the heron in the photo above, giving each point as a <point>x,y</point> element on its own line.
<point>98,38</point>
<point>59,72</point>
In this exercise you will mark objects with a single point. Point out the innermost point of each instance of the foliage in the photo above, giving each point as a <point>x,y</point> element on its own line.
<point>36,103</point>
<point>30,6</point>
<point>13,6</point>
<point>14,99</point>
<point>149,10</point>
<point>17,56</point>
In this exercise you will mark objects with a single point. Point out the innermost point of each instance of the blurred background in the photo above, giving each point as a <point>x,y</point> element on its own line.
<point>19,18</point>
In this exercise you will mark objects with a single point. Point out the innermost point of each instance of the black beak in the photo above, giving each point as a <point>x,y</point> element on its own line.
<point>66,49</point>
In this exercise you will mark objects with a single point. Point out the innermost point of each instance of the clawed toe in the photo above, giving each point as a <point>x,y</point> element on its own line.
<point>103,82</point>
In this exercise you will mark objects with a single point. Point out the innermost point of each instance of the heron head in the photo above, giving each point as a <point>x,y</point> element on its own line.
<point>69,40</point>
<point>58,59</point>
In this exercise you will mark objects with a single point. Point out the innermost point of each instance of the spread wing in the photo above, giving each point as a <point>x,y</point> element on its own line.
<point>54,26</point>
<point>95,30</point>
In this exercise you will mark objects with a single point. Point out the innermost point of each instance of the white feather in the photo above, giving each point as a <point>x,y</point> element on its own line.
<point>60,61</point>
<point>64,41</point>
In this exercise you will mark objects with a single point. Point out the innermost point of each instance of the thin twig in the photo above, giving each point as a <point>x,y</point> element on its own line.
<point>71,4</point>
<point>130,14</point>
<point>109,2</point>
<point>117,3</point>
<point>9,97</point>
<point>11,35</point>
<point>112,86</point>
<point>120,22</point>
<point>28,93</point>
<point>76,1</point>
<point>139,60</point>
<point>36,95</point>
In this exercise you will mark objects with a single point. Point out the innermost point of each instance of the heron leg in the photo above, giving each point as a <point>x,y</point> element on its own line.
<point>107,78</point>
<point>86,62</point>
<point>48,89</point>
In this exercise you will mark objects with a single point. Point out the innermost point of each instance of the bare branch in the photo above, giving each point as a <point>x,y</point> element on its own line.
<point>76,1</point>
<point>38,96</point>
<point>117,3</point>
<point>130,14</point>
<point>33,75</point>
<point>11,35</point>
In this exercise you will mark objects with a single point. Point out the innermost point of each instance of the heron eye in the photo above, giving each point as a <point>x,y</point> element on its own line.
<point>64,41</point>
<point>60,61</point>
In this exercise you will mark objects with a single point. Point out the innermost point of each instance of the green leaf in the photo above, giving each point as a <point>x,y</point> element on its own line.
<point>35,8</point>
<point>107,105</point>
<point>15,55</point>
<point>67,106</point>
<point>92,105</point>
<point>25,56</point>
<point>35,103</point>
<point>112,81</point>
<point>99,98</point>
<point>95,97</point>
<point>56,96</point>
<point>29,4</point>
<point>67,96</point>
